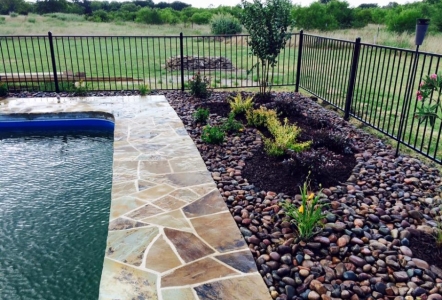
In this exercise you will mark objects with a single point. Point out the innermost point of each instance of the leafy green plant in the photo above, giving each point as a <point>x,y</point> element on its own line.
<point>267,24</point>
<point>212,135</point>
<point>231,125</point>
<point>13,15</point>
<point>225,24</point>
<point>2,20</point>
<point>239,105</point>
<point>429,87</point>
<point>259,117</point>
<point>199,86</point>
<point>201,115</point>
<point>3,90</point>
<point>80,89</point>
<point>31,20</point>
<point>144,89</point>
<point>284,138</point>
<point>308,216</point>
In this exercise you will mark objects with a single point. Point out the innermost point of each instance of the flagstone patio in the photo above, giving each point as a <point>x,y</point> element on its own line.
<point>170,233</point>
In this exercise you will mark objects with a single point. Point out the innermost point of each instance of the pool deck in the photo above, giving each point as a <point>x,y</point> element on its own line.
<point>171,236</point>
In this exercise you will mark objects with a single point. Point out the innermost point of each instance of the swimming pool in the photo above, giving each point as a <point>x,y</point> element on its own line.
<point>55,191</point>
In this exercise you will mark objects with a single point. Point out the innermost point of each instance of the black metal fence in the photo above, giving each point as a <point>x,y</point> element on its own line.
<point>372,83</point>
<point>56,63</point>
<point>375,84</point>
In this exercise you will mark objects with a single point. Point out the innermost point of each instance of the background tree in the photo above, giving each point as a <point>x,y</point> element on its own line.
<point>267,23</point>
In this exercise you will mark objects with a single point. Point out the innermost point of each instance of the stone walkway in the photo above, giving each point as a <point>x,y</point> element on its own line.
<point>170,236</point>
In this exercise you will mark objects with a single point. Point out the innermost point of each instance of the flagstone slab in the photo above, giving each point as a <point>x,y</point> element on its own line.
<point>197,272</point>
<point>123,223</point>
<point>155,192</point>
<point>145,212</point>
<point>120,281</point>
<point>174,219</point>
<point>122,205</point>
<point>154,167</point>
<point>188,246</point>
<point>242,261</point>
<point>208,229</point>
<point>178,294</point>
<point>251,289</point>
<point>208,204</point>
<point>128,246</point>
<point>169,203</point>
<point>161,257</point>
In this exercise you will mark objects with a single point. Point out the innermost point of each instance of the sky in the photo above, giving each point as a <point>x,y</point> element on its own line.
<point>215,3</point>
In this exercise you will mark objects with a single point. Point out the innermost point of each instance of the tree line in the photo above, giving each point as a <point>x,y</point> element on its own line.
<point>322,15</point>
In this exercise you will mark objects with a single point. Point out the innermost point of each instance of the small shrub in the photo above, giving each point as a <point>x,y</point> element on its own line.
<point>212,135</point>
<point>201,115</point>
<point>430,97</point>
<point>308,216</point>
<point>2,20</point>
<point>80,89</point>
<point>239,105</point>
<point>3,90</point>
<point>231,125</point>
<point>199,86</point>
<point>259,117</point>
<point>13,15</point>
<point>284,138</point>
<point>144,89</point>
<point>225,24</point>
<point>31,20</point>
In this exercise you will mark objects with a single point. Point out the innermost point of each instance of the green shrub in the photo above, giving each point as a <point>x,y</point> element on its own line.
<point>403,21</point>
<point>239,105</point>
<point>231,125</point>
<point>225,24</point>
<point>148,15</point>
<point>284,138</point>
<point>199,86</point>
<point>212,135</point>
<point>3,90</point>
<point>201,18</point>
<point>100,16</point>
<point>201,115</point>
<point>80,89</point>
<point>259,117</point>
<point>2,20</point>
<point>308,216</point>
<point>31,20</point>
<point>144,89</point>
<point>13,15</point>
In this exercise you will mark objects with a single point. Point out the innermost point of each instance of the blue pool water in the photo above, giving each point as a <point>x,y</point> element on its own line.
<point>55,191</point>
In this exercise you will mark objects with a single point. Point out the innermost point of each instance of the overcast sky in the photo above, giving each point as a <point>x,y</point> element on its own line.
<point>206,3</point>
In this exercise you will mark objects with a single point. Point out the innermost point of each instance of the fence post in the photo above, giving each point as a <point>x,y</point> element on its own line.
<point>298,67</point>
<point>54,67</point>
<point>182,61</point>
<point>352,80</point>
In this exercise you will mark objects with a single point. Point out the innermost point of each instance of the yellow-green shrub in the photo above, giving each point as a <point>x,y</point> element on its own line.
<point>284,138</point>
<point>259,117</point>
<point>239,105</point>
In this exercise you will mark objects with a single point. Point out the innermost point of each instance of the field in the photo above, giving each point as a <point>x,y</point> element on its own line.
<point>381,78</point>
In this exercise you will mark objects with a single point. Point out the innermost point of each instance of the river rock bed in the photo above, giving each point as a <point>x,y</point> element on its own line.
<point>376,222</point>
<point>376,242</point>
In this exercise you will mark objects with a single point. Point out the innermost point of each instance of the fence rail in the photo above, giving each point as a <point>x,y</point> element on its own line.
<point>372,83</point>
<point>54,63</point>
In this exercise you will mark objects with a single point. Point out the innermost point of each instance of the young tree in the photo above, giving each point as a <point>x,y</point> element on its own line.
<point>267,23</point>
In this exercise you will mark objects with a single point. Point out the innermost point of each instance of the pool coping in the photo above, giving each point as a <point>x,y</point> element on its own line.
<point>170,235</point>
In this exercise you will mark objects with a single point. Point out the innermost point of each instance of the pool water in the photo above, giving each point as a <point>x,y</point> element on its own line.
<point>55,192</point>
